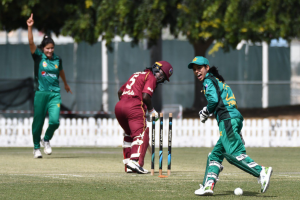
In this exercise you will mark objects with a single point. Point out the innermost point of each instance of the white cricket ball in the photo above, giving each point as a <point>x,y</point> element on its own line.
<point>238,191</point>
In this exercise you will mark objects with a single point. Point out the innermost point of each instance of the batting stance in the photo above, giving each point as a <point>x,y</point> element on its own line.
<point>135,99</point>
<point>221,102</point>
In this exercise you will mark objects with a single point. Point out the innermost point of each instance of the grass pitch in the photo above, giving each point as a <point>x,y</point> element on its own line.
<point>98,173</point>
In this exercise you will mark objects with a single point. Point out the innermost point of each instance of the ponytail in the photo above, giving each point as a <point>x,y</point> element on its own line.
<point>214,71</point>
<point>46,40</point>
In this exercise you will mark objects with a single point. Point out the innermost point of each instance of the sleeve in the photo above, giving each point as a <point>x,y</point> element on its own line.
<point>150,85</point>
<point>211,95</point>
<point>60,67</point>
<point>37,54</point>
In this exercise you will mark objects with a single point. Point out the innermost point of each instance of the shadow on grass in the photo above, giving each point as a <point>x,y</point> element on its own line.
<point>63,157</point>
<point>246,193</point>
<point>224,193</point>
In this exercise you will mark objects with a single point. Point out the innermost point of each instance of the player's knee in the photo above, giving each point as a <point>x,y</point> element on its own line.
<point>214,162</point>
<point>137,141</point>
<point>216,157</point>
<point>54,125</point>
<point>217,165</point>
<point>126,144</point>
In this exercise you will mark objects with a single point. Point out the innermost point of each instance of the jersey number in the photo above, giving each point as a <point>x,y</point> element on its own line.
<point>128,86</point>
<point>230,100</point>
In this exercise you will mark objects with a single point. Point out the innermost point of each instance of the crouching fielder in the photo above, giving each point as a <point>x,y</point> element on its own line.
<point>135,98</point>
<point>222,103</point>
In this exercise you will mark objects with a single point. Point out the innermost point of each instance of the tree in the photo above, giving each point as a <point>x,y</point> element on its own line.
<point>137,19</point>
<point>226,22</point>
<point>49,15</point>
<point>229,22</point>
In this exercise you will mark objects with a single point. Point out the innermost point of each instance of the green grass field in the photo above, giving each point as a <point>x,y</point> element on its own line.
<point>98,173</point>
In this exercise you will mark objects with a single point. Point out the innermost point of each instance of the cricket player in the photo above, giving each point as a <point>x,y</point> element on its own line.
<point>135,99</point>
<point>47,70</point>
<point>221,102</point>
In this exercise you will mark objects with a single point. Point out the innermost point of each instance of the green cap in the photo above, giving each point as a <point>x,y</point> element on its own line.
<point>198,60</point>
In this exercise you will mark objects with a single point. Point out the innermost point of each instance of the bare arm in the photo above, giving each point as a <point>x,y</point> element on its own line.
<point>30,23</point>
<point>120,94</point>
<point>147,100</point>
<point>63,77</point>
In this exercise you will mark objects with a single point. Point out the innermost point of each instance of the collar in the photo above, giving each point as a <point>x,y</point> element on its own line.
<point>207,74</point>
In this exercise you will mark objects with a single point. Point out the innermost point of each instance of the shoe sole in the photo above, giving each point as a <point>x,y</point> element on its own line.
<point>47,152</point>
<point>129,171</point>
<point>135,170</point>
<point>205,194</point>
<point>43,144</point>
<point>38,157</point>
<point>268,183</point>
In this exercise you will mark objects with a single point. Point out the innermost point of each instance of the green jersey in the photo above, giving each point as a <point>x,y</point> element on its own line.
<point>220,98</point>
<point>46,71</point>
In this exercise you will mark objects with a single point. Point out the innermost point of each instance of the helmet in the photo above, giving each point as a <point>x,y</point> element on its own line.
<point>165,66</point>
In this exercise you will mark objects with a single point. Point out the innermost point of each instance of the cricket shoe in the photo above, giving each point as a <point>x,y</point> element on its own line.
<point>125,161</point>
<point>135,167</point>
<point>264,178</point>
<point>37,153</point>
<point>207,189</point>
<point>129,171</point>
<point>47,147</point>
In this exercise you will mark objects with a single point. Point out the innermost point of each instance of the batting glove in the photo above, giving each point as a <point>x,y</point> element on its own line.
<point>150,114</point>
<point>204,114</point>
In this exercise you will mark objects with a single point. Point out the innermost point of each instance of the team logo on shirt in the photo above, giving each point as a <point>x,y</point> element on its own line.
<point>43,73</point>
<point>206,86</point>
<point>150,89</point>
<point>56,66</point>
<point>44,64</point>
<point>129,92</point>
<point>52,75</point>
<point>58,105</point>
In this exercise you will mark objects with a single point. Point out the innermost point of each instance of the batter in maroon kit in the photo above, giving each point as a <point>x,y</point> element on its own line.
<point>135,99</point>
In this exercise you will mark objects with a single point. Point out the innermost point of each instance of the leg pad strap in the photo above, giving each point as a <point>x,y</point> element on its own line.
<point>239,161</point>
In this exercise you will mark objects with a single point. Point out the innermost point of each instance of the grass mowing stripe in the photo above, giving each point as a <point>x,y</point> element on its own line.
<point>97,173</point>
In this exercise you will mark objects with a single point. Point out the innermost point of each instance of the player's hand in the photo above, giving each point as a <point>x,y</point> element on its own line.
<point>150,114</point>
<point>68,89</point>
<point>204,114</point>
<point>30,21</point>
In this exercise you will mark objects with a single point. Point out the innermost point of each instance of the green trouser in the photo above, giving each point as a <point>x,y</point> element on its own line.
<point>231,147</point>
<point>43,102</point>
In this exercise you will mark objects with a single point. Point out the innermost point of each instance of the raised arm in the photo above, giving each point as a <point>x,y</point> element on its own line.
<point>30,23</point>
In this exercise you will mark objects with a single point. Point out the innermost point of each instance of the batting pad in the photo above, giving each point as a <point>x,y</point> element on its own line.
<point>241,162</point>
<point>212,171</point>
<point>206,170</point>
<point>144,146</point>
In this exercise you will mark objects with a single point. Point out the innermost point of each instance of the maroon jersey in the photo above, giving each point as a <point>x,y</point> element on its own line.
<point>137,84</point>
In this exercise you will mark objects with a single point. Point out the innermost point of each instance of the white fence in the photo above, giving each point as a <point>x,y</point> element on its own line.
<point>186,133</point>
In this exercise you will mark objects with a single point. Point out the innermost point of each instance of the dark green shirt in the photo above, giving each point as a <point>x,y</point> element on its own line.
<point>220,99</point>
<point>46,71</point>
